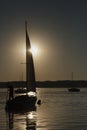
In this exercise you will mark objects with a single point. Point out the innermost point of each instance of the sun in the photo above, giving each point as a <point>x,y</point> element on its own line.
<point>34,50</point>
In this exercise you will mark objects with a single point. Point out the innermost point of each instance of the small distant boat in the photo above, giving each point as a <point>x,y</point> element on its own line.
<point>27,101</point>
<point>74,90</point>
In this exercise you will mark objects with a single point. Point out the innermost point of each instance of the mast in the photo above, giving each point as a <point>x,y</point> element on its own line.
<point>30,72</point>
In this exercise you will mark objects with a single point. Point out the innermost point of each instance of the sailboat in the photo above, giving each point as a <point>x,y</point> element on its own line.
<point>28,100</point>
<point>73,89</point>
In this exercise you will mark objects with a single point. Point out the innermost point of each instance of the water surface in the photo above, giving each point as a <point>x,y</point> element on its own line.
<point>60,110</point>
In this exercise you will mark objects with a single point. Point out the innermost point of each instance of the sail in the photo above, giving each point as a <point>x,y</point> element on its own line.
<point>30,72</point>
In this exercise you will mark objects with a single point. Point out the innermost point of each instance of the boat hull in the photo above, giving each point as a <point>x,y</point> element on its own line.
<point>21,103</point>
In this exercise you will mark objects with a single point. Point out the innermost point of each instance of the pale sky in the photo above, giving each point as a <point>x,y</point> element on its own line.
<point>58,28</point>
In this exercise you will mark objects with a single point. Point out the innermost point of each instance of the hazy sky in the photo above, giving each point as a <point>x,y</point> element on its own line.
<point>57,27</point>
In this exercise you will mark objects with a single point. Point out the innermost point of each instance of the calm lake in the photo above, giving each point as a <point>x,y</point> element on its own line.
<point>60,110</point>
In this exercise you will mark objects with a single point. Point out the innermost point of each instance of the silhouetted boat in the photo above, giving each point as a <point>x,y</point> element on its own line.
<point>73,89</point>
<point>28,100</point>
<point>21,103</point>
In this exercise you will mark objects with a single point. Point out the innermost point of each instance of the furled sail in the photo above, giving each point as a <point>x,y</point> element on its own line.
<point>30,72</point>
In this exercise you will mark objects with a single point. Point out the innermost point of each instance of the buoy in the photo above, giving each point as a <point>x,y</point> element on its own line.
<point>39,102</point>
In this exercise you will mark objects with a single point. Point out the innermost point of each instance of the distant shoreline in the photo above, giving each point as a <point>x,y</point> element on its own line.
<point>47,84</point>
